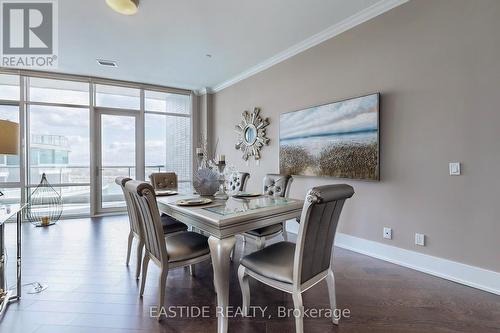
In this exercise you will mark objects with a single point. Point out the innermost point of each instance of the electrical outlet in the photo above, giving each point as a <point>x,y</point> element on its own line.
<point>420,239</point>
<point>387,233</point>
<point>455,169</point>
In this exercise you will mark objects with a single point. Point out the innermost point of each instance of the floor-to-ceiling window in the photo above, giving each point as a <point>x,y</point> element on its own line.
<point>168,135</point>
<point>10,170</point>
<point>118,148</point>
<point>58,140</point>
<point>74,125</point>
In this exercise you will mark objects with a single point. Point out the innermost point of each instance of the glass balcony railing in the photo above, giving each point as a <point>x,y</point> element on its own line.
<point>73,184</point>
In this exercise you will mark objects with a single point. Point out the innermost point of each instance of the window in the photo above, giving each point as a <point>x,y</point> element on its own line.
<point>59,144</point>
<point>166,102</point>
<point>167,136</point>
<point>10,170</point>
<point>75,199</point>
<point>179,146</point>
<point>118,97</point>
<point>11,196</point>
<point>9,164</point>
<point>59,140</point>
<point>56,120</point>
<point>9,87</point>
<point>59,91</point>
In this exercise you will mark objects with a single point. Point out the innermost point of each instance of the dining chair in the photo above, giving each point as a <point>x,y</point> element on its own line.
<point>237,182</point>
<point>179,250</point>
<point>170,226</point>
<point>164,180</point>
<point>135,231</point>
<point>278,186</point>
<point>294,268</point>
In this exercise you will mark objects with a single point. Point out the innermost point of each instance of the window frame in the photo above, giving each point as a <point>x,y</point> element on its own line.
<point>24,103</point>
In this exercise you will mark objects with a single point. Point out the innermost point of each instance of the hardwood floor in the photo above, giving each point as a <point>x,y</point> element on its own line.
<point>91,290</point>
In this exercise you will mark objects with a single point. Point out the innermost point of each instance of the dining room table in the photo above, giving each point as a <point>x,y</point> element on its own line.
<point>222,220</point>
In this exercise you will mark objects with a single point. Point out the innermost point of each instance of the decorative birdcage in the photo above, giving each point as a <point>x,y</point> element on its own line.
<point>45,204</point>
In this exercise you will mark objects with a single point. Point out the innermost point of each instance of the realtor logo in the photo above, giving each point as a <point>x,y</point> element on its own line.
<point>29,33</point>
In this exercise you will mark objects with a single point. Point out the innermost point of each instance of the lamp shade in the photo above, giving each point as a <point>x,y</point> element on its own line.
<point>125,7</point>
<point>9,137</point>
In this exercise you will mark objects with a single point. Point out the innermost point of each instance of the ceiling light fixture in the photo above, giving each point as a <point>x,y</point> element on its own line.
<point>125,7</point>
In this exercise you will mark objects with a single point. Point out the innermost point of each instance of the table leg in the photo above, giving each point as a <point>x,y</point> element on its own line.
<point>19,283</point>
<point>220,251</point>
<point>2,258</point>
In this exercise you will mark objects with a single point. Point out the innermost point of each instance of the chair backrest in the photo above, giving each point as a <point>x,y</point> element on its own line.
<point>144,199</point>
<point>237,181</point>
<point>132,214</point>
<point>164,180</point>
<point>277,185</point>
<point>318,225</point>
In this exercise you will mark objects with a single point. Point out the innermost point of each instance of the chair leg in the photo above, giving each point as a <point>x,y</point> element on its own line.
<point>145,263</point>
<point>245,289</point>
<point>140,247</point>
<point>330,281</point>
<point>299,312</point>
<point>285,234</point>
<point>261,243</point>
<point>243,247</point>
<point>129,247</point>
<point>162,284</point>
<point>192,270</point>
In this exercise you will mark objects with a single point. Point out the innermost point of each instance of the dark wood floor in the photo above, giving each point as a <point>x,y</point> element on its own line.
<point>91,290</point>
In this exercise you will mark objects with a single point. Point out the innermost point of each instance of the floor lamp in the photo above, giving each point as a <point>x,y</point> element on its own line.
<point>9,138</point>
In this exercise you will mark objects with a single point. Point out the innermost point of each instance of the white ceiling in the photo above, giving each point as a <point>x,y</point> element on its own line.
<point>166,42</point>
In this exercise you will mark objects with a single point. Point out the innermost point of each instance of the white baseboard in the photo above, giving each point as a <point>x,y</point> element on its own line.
<point>468,275</point>
<point>471,276</point>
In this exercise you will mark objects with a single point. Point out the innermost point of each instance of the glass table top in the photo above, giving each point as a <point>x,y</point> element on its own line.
<point>9,211</point>
<point>240,205</point>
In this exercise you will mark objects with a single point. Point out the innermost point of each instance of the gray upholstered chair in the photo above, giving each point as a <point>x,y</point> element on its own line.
<point>275,185</point>
<point>294,268</point>
<point>135,231</point>
<point>178,250</point>
<point>237,182</point>
<point>170,226</point>
<point>164,180</point>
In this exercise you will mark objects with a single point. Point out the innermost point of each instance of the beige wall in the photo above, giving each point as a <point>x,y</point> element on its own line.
<point>437,65</point>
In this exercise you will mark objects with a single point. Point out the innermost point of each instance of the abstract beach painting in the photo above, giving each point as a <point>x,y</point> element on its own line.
<point>339,139</point>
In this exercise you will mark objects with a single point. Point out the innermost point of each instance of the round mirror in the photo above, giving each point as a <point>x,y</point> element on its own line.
<point>250,134</point>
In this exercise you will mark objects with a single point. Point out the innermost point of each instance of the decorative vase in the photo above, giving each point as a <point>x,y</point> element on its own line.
<point>206,182</point>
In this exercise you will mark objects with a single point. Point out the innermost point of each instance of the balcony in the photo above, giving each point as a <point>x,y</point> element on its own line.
<point>73,184</point>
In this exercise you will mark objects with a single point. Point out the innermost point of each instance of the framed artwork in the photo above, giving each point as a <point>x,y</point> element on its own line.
<point>339,139</point>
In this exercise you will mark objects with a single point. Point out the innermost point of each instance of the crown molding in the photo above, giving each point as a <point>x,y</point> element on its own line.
<point>204,91</point>
<point>335,30</point>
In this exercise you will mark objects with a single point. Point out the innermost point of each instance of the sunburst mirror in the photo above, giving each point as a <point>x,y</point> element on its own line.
<point>252,134</point>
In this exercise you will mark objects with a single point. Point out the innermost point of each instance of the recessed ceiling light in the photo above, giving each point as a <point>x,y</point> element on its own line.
<point>107,63</point>
<point>125,7</point>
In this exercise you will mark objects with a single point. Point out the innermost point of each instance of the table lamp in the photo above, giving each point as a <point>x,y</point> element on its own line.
<point>9,139</point>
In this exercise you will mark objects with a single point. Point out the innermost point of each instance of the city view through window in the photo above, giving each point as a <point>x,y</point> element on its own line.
<point>58,124</point>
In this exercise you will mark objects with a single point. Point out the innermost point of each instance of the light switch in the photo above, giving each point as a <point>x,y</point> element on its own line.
<point>455,169</point>
<point>420,239</point>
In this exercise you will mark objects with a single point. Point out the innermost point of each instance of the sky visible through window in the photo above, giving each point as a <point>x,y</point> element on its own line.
<point>59,133</point>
